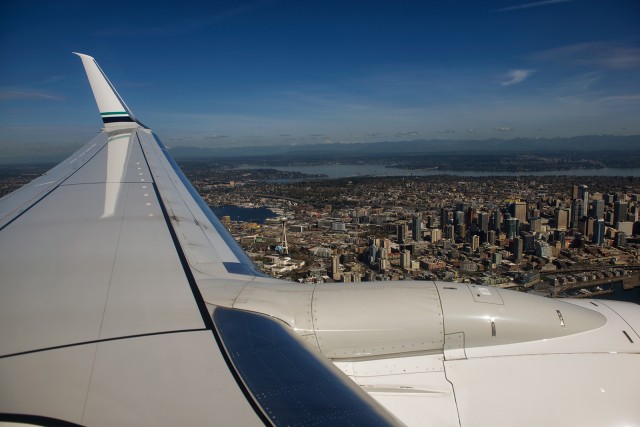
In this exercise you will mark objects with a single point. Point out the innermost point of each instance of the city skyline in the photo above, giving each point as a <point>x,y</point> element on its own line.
<point>264,73</point>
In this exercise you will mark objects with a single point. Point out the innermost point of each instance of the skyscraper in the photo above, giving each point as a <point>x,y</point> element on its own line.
<point>496,220</point>
<point>563,216</point>
<point>405,260</point>
<point>491,237</point>
<point>536,224</point>
<point>444,218</point>
<point>475,242</point>
<point>335,266</point>
<point>403,233</point>
<point>519,210</point>
<point>511,226</point>
<point>483,221</point>
<point>598,232</point>
<point>619,212</point>
<point>577,212</point>
<point>515,247</point>
<point>583,194</point>
<point>417,228</point>
<point>597,209</point>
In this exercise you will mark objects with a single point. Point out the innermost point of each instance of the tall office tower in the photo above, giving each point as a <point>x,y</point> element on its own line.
<point>536,224</point>
<point>519,210</point>
<point>563,216</point>
<point>497,220</point>
<point>583,193</point>
<point>386,246</point>
<point>598,232</point>
<point>483,221</point>
<point>619,212</point>
<point>559,236</point>
<point>417,228</point>
<point>528,243</point>
<point>405,260</point>
<point>403,233</point>
<point>511,226</point>
<point>597,209</point>
<point>449,231</point>
<point>444,218</point>
<point>491,237</point>
<point>458,218</point>
<point>496,258</point>
<point>429,221</point>
<point>577,212</point>
<point>515,247</point>
<point>634,213</point>
<point>475,242</point>
<point>574,193</point>
<point>372,252</point>
<point>469,214</point>
<point>335,266</point>
<point>620,239</point>
<point>436,235</point>
<point>462,207</point>
<point>461,231</point>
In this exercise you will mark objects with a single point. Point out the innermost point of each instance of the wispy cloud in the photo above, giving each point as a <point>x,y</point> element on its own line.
<point>503,129</point>
<point>620,99</point>
<point>15,94</point>
<point>530,5</point>
<point>30,91</point>
<point>514,77</point>
<point>608,55</point>
<point>407,133</point>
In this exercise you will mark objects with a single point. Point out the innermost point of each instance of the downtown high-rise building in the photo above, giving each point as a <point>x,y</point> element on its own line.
<point>405,260</point>
<point>483,221</point>
<point>577,212</point>
<point>597,209</point>
<point>583,194</point>
<point>511,227</point>
<point>598,232</point>
<point>519,210</point>
<point>619,212</point>
<point>563,218</point>
<point>417,228</point>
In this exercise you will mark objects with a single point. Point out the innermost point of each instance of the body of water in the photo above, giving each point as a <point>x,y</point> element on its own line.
<point>619,294</point>
<point>238,213</point>
<point>347,171</point>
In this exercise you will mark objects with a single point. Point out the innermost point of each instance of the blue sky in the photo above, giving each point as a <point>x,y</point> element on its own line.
<point>222,73</point>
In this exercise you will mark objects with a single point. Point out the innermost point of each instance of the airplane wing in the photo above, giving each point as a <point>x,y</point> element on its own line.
<point>124,301</point>
<point>102,320</point>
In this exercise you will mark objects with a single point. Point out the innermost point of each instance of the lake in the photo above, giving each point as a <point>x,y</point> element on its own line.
<point>238,213</point>
<point>347,171</point>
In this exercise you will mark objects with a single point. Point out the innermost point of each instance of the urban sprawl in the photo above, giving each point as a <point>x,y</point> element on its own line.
<point>555,236</point>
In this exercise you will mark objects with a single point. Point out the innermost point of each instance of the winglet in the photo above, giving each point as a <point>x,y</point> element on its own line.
<point>113,110</point>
